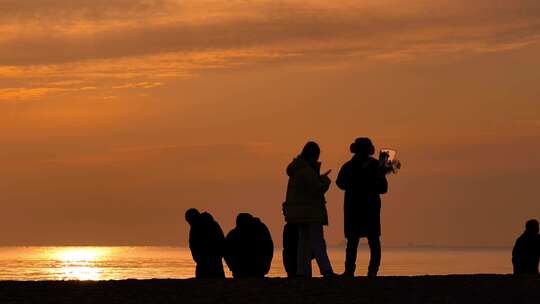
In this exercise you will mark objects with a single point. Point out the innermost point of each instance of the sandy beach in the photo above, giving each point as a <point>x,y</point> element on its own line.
<point>423,289</point>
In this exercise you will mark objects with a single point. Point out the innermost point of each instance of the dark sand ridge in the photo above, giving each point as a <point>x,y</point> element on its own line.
<point>424,289</point>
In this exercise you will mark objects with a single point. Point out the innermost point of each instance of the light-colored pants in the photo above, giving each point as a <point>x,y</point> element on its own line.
<point>311,245</point>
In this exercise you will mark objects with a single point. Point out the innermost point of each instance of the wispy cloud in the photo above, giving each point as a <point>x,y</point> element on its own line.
<point>148,41</point>
<point>138,85</point>
<point>14,94</point>
<point>92,31</point>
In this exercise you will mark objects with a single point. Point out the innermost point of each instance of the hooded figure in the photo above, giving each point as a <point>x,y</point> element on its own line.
<point>305,202</point>
<point>249,248</point>
<point>363,181</point>
<point>526,252</point>
<point>206,242</point>
<point>305,207</point>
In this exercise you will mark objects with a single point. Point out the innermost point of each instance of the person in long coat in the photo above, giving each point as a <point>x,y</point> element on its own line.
<point>363,180</point>
<point>305,207</point>
<point>249,248</point>
<point>206,242</point>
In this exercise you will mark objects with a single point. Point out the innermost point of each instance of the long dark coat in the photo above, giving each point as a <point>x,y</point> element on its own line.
<point>363,185</point>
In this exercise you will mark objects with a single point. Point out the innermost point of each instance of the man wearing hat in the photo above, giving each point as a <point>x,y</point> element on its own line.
<point>363,180</point>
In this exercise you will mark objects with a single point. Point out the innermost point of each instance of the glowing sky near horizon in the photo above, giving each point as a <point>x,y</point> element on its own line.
<point>117,115</point>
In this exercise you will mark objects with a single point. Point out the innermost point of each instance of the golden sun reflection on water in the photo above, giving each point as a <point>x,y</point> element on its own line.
<point>80,273</point>
<point>79,263</point>
<point>119,263</point>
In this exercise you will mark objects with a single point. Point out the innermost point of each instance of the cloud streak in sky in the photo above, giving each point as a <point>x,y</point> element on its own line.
<point>147,41</point>
<point>10,94</point>
<point>270,26</point>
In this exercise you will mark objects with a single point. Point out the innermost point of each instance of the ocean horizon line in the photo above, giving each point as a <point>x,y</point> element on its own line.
<point>277,247</point>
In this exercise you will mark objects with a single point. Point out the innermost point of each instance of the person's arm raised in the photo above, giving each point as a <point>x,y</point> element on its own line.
<point>325,182</point>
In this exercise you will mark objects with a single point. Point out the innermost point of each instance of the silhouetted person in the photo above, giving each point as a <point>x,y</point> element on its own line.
<point>305,206</point>
<point>249,248</point>
<point>363,181</point>
<point>526,253</point>
<point>206,242</point>
<point>290,248</point>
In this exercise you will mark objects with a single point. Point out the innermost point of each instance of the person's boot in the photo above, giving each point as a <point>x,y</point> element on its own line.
<point>373,269</point>
<point>330,275</point>
<point>372,274</point>
<point>347,274</point>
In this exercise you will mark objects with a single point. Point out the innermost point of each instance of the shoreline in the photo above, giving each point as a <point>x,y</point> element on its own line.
<point>478,288</point>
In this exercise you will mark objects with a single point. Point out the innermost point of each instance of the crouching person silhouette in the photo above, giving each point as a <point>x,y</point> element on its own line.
<point>206,242</point>
<point>526,252</point>
<point>249,248</point>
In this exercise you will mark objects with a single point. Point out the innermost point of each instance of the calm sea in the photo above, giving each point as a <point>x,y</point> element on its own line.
<point>114,263</point>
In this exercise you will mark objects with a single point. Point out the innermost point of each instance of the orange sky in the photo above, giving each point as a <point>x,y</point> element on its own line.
<point>117,115</point>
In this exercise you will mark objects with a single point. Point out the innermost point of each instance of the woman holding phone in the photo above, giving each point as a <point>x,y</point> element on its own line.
<point>363,179</point>
<point>305,207</point>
